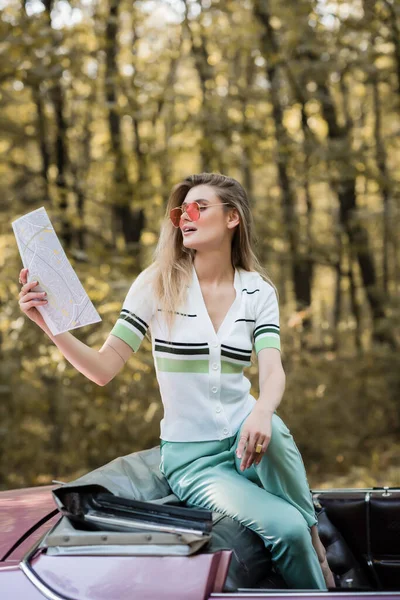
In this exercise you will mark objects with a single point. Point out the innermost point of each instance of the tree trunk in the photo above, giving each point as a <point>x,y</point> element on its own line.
<point>130,223</point>
<point>383,184</point>
<point>301,265</point>
<point>392,23</point>
<point>79,170</point>
<point>246,157</point>
<point>358,236</point>
<point>337,309</point>
<point>57,96</point>
<point>41,127</point>
<point>207,79</point>
<point>62,161</point>
<point>355,307</point>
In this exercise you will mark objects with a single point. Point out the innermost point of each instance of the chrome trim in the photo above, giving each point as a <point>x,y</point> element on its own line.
<point>40,586</point>
<point>369,557</point>
<point>361,490</point>
<point>286,592</point>
<point>118,550</point>
<point>35,580</point>
<point>139,525</point>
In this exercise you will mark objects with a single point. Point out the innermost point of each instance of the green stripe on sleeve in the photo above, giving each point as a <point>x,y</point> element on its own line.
<point>267,342</point>
<point>127,335</point>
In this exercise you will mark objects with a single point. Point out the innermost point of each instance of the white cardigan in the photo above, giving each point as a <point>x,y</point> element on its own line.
<point>200,373</point>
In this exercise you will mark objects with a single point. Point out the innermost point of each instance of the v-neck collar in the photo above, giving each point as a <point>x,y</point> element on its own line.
<point>229,318</point>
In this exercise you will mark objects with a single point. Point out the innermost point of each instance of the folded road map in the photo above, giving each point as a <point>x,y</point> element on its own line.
<point>69,306</point>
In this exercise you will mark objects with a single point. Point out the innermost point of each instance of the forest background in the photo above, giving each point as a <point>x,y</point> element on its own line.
<point>104,106</point>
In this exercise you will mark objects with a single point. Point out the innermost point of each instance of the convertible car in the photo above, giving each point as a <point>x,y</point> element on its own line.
<point>118,533</point>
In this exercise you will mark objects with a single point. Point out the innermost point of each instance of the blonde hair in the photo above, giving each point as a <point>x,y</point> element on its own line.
<point>171,268</point>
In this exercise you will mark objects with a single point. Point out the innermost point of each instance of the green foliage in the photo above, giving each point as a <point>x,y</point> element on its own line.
<point>103,112</point>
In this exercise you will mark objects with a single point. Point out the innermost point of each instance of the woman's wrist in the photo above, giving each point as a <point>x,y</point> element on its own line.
<point>264,410</point>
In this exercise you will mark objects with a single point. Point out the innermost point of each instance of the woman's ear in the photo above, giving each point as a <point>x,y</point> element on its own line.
<point>233,218</point>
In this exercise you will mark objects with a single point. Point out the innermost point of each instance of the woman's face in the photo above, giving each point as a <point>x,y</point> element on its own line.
<point>214,226</point>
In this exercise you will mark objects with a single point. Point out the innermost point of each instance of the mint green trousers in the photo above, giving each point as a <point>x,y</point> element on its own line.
<point>273,498</point>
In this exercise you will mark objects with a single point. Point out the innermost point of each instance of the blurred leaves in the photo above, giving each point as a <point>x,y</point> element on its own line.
<point>99,128</point>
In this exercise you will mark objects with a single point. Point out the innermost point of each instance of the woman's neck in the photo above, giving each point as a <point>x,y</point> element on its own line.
<point>214,269</point>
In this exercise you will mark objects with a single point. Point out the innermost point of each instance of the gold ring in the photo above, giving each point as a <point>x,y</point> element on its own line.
<point>258,448</point>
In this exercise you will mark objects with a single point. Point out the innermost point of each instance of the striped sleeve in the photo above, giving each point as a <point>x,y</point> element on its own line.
<point>136,313</point>
<point>266,330</point>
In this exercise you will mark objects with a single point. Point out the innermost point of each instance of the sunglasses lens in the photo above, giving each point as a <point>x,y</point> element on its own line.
<point>192,211</point>
<point>175,216</point>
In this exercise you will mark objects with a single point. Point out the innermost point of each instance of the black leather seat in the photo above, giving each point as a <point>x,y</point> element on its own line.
<point>369,520</point>
<point>251,565</point>
<point>137,476</point>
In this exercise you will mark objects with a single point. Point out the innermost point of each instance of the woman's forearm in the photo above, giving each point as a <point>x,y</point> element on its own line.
<point>85,359</point>
<point>271,391</point>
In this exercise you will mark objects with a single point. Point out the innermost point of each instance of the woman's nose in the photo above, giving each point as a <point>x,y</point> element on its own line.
<point>186,218</point>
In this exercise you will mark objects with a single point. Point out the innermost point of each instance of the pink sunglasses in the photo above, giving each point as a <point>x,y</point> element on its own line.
<point>192,210</point>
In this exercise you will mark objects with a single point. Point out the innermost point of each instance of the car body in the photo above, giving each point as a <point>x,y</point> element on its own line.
<point>40,559</point>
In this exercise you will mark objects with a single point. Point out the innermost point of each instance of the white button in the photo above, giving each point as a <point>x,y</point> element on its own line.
<point>225,430</point>
<point>218,409</point>
<point>214,389</point>
<point>215,365</point>
<point>216,345</point>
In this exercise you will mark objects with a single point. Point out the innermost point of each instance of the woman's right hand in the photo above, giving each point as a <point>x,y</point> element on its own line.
<point>28,300</point>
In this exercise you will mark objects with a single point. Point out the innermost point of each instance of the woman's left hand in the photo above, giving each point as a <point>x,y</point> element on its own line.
<point>256,429</point>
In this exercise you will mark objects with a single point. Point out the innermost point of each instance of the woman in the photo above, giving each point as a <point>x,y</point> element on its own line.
<point>206,300</point>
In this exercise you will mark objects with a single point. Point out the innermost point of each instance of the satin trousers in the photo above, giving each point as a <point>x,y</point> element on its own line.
<point>272,498</point>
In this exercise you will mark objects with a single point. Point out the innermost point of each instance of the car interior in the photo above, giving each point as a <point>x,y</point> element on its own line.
<point>126,506</point>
